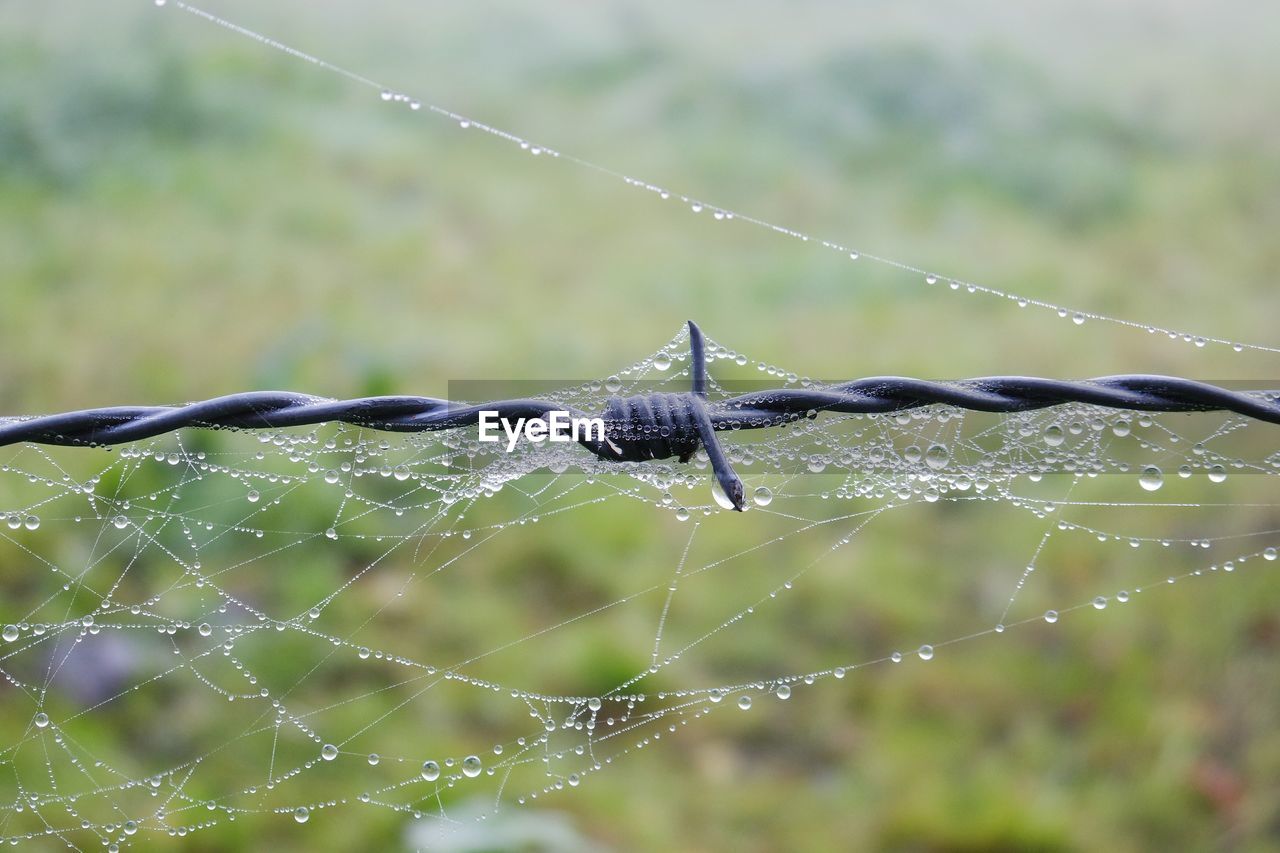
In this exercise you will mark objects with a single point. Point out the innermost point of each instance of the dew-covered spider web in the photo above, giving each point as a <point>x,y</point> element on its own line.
<point>290,596</point>
<point>334,623</point>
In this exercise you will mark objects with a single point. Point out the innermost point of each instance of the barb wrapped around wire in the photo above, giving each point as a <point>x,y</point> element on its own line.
<point>647,426</point>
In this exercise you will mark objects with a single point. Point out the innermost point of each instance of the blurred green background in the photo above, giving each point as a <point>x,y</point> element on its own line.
<point>184,214</point>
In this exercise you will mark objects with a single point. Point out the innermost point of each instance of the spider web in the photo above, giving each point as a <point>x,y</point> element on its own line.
<point>286,594</point>
<point>279,608</point>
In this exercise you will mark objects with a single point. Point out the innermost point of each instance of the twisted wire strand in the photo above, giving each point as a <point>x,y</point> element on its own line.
<point>647,426</point>
<point>759,409</point>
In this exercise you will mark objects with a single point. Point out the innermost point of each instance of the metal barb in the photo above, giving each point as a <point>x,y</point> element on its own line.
<point>647,426</point>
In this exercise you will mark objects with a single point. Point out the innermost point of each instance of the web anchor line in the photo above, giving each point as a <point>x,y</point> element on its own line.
<point>643,427</point>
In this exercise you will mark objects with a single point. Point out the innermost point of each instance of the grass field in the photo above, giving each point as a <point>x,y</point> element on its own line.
<point>185,214</point>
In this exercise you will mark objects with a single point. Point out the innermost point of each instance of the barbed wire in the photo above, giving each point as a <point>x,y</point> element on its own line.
<point>647,426</point>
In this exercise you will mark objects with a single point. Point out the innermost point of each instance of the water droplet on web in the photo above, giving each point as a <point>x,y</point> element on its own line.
<point>762,496</point>
<point>120,522</point>
<point>1100,603</point>
<point>682,514</point>
<point>1051,616</point>
<point>205,629</point>
<point>1152,478</point>
<point>1054,436</point>
<point>430,771</point>
<point>301,814</point>
<point>662,361</point>
<point>10,633</point>
<point>1217,474</point>
<point>1122,596</point>
<point>925,652</point>
<point>937,457</point>
<point>32,522</point>
<point>471,766</point>
<point>1268,554</point>
<point>42,720</point>
<point>253,496</point>
<point>744,702</point>
<point>613,385</point>
<point>783,691</point>
<point>329,752</point>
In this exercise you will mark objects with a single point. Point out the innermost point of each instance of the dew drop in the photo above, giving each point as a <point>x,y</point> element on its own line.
<point>720,497</point>
<point>1053,435</point>
<point>783,691</point>
<point>613,385</point>
<point>1217,474</point>
<point>41,720</point>
<point>1151,479</point>
<point>744,702</point>
<point>925,652</point>
<point>662,361</point>
<point>10,633</point>
<point>1122,596</point>
<point>1100,603</point>
<point>1051,616</point>
<point>205,629</point>
<point>1268,554</point>
<point>937,456</point>
<point>762,496</point>
<point>430,771</point>
<point>253,496</point>
<point>301,814</point>
<point>471,766</point>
